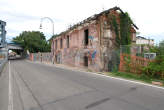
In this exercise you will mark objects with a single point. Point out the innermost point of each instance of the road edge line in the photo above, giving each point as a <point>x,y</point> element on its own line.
<point>136,82</point>
<point>121,79</point>
<point>10,101</point>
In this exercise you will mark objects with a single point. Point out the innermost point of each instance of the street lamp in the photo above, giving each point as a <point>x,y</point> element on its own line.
<point>50,21</point>
<point>52,29</point>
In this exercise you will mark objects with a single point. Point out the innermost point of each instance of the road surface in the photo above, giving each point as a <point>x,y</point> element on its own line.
<point>25,85</point>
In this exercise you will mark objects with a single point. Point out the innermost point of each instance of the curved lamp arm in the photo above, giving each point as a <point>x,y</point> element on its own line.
<point>51,22</point>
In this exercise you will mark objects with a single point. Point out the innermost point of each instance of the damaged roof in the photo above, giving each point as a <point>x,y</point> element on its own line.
<point>94,17</point>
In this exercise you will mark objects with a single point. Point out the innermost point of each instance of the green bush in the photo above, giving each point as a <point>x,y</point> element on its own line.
<point>127,63</point>
<point>155,69</point>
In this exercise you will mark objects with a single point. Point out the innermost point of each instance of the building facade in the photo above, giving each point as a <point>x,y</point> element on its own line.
<point>91,43</point>
<point>144,41</point>
<point>2,33</point>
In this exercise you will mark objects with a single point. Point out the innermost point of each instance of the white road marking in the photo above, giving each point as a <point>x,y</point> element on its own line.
<point>10,103</point>
<point>121,79</point>
<point>136,82</point>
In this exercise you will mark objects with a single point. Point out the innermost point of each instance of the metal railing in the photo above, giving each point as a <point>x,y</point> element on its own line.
<point>3,59</point>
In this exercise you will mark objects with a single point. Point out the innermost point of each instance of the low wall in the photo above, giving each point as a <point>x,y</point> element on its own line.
<point>41,57</point>
<point>70,59</point>
<point>133,64</point>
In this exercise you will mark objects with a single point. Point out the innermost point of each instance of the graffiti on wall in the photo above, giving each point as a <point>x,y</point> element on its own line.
<point>93,30</point>
<point>92,56</point>
<point>75,56</point>
<point>65,52</point>
<point>91,40</point>
<point>71,56</point>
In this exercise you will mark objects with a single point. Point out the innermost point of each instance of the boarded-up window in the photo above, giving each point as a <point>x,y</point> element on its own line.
<point>134,36</point>
<point>107,33</point>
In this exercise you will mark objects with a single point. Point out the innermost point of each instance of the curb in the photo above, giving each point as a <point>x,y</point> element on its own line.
<point>102,75</point>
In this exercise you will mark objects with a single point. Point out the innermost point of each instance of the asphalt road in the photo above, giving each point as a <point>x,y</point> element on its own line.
<point>33,86</point>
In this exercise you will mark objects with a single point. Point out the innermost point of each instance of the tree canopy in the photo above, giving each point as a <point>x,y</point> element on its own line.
<point>34,41</point>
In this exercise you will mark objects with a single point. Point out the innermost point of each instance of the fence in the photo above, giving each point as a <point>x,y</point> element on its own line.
<point>134,58</point>
<point>112,61</point>
<point>131,63</point>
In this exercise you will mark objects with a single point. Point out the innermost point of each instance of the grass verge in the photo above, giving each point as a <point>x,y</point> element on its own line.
<point>131,76</point>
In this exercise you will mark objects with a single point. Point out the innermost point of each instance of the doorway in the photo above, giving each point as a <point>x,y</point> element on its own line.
<point>85,61</point>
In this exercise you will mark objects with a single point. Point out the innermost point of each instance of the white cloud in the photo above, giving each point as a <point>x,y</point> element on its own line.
<point>25,14</point>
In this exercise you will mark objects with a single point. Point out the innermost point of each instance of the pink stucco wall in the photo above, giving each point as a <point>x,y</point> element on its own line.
<point>74,55</point>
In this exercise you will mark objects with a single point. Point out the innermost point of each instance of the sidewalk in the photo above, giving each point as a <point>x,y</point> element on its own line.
<point>65,66</point>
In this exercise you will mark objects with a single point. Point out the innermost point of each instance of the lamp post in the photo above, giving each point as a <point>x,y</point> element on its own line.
<point>52,33</point>
<point>50,21</point>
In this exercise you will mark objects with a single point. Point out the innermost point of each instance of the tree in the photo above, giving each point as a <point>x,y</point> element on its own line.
<point>161,48</point>
<point>34,41</point>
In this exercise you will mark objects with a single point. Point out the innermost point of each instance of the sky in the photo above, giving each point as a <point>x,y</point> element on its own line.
<point>22,15</point>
